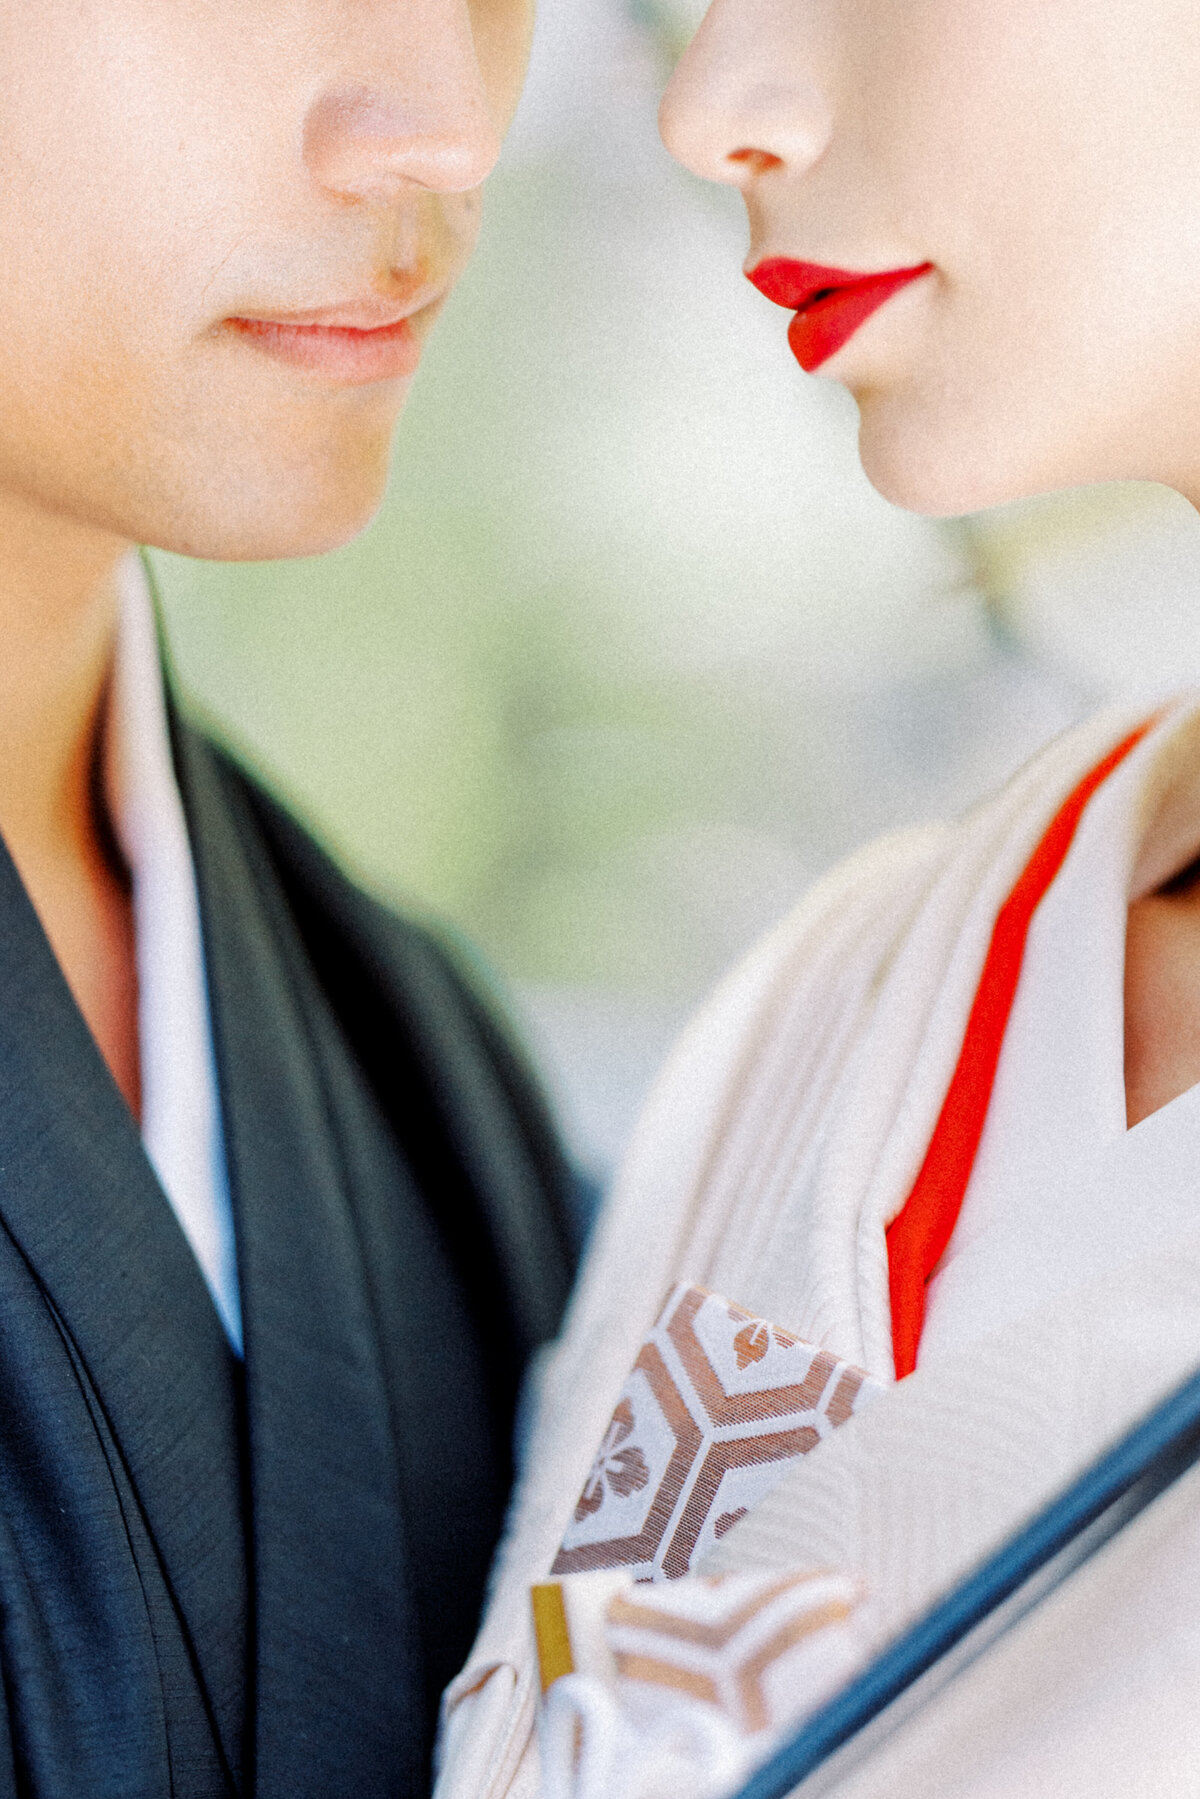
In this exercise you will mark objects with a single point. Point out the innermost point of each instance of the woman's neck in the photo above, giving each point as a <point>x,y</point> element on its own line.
<point>58,617</point>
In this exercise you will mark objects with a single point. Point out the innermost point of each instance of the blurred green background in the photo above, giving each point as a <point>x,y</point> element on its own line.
<point>633,650</point>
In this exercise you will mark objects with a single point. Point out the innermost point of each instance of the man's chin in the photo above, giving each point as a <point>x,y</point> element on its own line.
<point>303,510</point>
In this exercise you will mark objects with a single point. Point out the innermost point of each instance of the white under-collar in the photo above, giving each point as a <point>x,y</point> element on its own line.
<point>181,1110</point>
<point>1061,1190</point>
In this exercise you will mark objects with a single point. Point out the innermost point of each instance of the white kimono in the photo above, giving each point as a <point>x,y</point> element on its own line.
<point>784,1136</point>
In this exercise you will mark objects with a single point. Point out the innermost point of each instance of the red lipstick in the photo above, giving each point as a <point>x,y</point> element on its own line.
<point>829,304</point>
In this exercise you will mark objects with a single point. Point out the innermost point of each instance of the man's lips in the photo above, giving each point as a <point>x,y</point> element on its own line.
<point>360,342</point>
<point>829,304</point>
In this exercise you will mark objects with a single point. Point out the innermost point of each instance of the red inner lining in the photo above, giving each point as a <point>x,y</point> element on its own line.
<point>918,1235</point>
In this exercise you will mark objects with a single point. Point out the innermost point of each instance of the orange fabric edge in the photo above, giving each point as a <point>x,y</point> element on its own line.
<point>918,1235</point>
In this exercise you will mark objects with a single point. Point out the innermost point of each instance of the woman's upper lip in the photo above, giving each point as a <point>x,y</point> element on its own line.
<point>798,284</point>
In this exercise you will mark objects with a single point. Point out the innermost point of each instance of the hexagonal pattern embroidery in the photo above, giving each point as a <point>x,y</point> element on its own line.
<point>719,1403</point>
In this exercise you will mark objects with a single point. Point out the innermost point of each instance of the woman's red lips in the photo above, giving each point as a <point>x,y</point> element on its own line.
<point>829,304</point>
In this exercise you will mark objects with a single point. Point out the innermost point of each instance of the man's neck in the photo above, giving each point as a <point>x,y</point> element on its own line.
<point>58,619</point>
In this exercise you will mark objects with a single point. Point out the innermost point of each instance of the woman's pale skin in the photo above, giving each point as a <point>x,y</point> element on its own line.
<point>1045,160</point>
<point>173,175</point>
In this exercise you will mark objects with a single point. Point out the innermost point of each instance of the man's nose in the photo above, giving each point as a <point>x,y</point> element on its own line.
<point>742,99</point>
<point>406,106</point>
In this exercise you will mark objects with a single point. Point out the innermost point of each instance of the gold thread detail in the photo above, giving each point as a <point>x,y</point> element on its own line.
<point>552,1632</point>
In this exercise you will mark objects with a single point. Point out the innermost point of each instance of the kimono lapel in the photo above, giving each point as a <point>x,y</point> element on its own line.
<point>1093,1693</point>
<point>81,1201</point>
<point>336,1679</point>
<point>961,1454</point>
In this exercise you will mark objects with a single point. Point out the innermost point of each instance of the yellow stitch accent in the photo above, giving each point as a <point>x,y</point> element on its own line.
<point>552,1633</point>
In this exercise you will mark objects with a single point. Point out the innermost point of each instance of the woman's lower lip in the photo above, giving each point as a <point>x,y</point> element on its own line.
<point>338,352</point>
<point>820,329</point>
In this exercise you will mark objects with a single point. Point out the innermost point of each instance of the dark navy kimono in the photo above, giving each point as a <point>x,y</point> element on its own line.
<point>217,1578</point>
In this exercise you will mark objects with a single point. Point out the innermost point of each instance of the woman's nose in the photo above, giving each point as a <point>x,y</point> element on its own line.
<point>743,99</point>
<point>408,107</point>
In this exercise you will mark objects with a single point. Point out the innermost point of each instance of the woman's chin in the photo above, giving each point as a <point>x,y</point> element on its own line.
<point>931,467</point>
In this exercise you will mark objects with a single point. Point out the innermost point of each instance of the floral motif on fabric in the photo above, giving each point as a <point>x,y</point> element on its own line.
<point>718,1405</point>
<point>623,1470</point>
